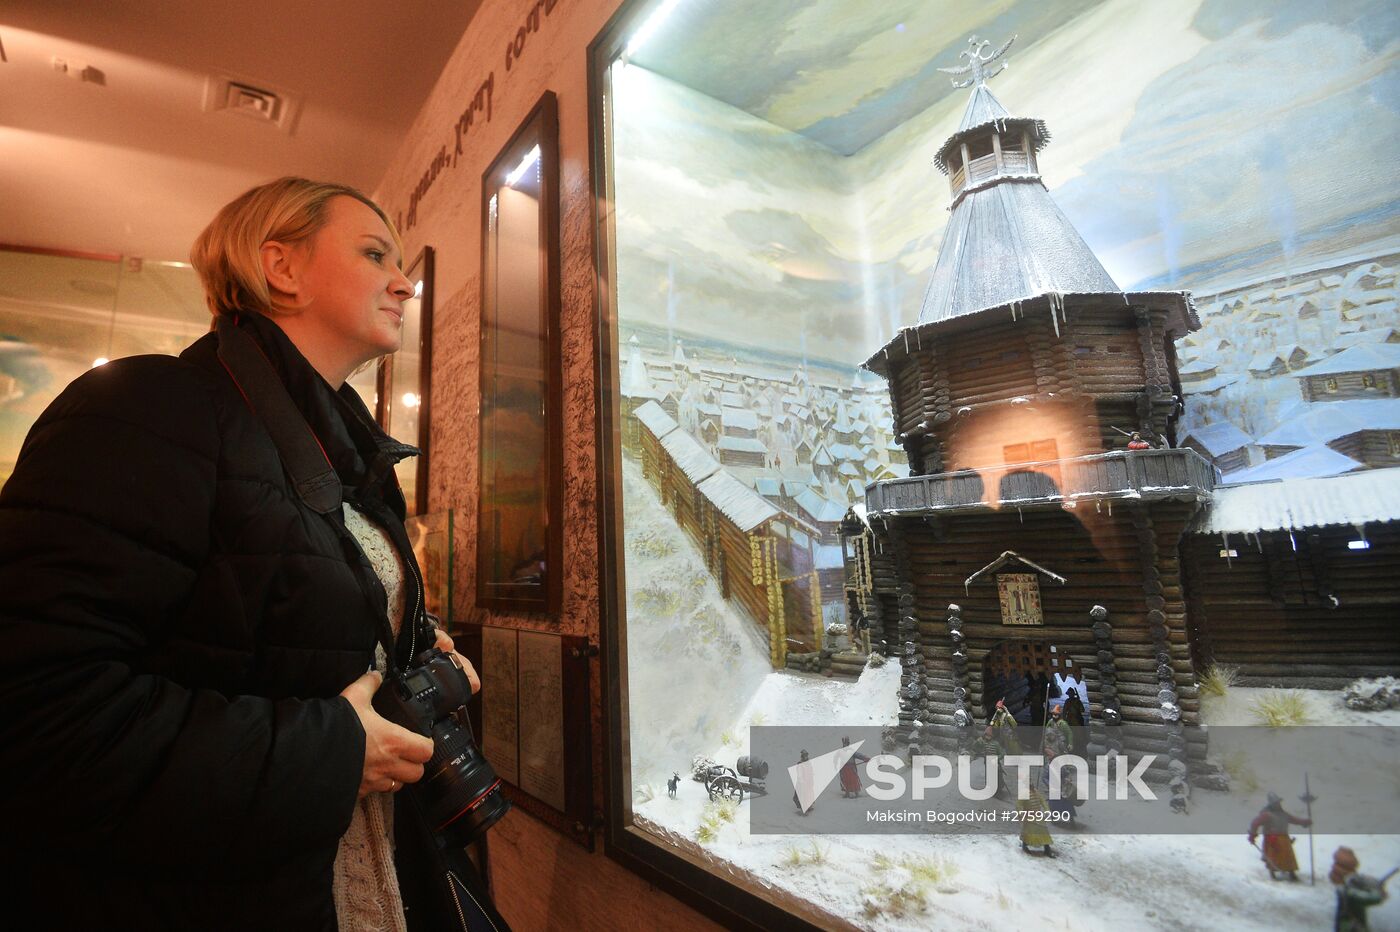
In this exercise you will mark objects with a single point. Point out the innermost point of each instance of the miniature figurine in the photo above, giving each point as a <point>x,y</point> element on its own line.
<point>1003,727</point>
<point>1057,737</point>
<point>1277,850</point>
<point>850,777</point>
<point>1135,442</point>
<point>671,785</point>
<point>1035,831</point>
<point>1356,892</point>
<point>1076,718</point>
<point>795,801</point>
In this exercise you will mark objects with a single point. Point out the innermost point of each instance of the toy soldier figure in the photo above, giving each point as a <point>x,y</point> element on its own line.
<point>1037,832</point>
<point>1057,739</point>
<point>1356,893</point>
<point>1135,442</point>
<point>1075,717</point>
<point>807,778</point>
<point>850,777</point>
<point>1002,729</point>
<point>1277,850</point>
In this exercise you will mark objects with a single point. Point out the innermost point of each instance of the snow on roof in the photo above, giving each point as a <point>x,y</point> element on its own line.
<point>848,469</point>
<point>743,444</point>
<point>1328,420</point>
<point>1357,498</point>
<point>736,501</point>
<point>732,400</point>
<point>1207,386</point>
<point>689,456</point>
<point>1309,462</point>
<point>768,485</point>
<point>1363,358</point>
<point>705,407</point>
<point>847,452</point>
<point>739,418</point>
<point>1376,335</point>
<point>1266,359</point>
<point>1197,367</point>
<point>655,419</point>
<point>819,507</point>
<point>1220,438</point>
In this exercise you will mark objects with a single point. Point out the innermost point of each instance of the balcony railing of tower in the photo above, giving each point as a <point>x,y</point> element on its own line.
<point>1135,475</point>
<point>1009,161</point>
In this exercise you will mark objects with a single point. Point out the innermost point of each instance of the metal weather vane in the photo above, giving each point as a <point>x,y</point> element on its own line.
<point>977,62</point>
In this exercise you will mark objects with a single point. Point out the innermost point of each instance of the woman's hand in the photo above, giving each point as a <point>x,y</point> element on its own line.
<point>393,754</point>
<point>444,644</point>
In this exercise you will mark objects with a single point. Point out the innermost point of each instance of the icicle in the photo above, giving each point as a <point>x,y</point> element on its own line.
<point>906,342</point>
<point>1021,515</point>
<point>1097,503</point>
<point>1110,507</point>
<point>919,340</point>
<point>1055,320</point>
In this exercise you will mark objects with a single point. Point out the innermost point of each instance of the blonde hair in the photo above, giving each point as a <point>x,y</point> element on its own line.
<point>228,253</point>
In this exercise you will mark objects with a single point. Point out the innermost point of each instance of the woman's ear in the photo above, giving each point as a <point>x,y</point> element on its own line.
<point>281,267</point>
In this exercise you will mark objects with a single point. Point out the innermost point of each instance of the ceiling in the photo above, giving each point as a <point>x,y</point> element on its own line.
<point>119,154</point>
<point>843,74</point>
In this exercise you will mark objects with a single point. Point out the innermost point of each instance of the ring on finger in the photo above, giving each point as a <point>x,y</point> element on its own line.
<point>393,785</point>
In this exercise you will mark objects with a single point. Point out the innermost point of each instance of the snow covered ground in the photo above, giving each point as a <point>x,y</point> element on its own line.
<point>697,685</point>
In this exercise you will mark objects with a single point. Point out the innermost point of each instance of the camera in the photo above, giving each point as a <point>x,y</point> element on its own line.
<point>459,792</point>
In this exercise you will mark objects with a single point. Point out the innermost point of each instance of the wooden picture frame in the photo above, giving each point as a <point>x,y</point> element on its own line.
<point>409,372</point>
<point>520,516</point>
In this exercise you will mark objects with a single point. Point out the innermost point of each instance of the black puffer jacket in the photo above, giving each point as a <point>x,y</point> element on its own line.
<point>175,628</point>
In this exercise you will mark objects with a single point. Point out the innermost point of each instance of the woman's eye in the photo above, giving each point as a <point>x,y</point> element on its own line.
<point>376,255</point>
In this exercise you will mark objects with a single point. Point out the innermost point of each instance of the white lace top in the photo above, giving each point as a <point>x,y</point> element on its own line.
<point>366,887</point>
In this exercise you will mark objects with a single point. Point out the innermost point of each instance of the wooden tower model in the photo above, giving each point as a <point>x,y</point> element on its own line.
<point>1029,538</point>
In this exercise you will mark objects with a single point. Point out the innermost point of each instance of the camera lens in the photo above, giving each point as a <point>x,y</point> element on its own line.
<point>464,794</point>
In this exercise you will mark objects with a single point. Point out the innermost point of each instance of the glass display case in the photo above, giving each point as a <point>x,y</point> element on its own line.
<point>929,391</point>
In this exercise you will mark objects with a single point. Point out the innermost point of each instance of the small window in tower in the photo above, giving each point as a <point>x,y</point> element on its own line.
<point>954,161</point>
<point>977,148</point>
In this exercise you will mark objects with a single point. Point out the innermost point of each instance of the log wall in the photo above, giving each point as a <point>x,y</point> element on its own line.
<point>1270,610</point>
<point>1101,558</point>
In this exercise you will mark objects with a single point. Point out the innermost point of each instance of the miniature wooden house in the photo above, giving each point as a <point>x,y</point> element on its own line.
<point>1014,397</point>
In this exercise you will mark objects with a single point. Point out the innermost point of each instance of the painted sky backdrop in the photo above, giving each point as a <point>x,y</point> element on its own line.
<point>775,182</point>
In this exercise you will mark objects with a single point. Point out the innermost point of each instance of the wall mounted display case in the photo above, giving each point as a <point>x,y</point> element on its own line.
<point>905,408</point>
<point>519,548</point>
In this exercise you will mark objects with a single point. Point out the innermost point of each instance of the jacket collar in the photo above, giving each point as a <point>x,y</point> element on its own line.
<point>362,454</point>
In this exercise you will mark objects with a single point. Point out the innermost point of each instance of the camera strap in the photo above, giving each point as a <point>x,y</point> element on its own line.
<point>305,460</point>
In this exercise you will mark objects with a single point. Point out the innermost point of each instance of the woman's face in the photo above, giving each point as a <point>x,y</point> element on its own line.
<point>352,285</point>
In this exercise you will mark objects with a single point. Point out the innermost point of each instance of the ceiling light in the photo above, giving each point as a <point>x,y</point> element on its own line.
<point>410,400</point>
<point>100,361</point>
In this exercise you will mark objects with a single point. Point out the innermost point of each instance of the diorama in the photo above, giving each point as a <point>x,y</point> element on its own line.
<point>928,423</point>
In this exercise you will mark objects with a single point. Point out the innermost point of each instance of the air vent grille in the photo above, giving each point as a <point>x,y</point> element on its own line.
<point>262,104</point>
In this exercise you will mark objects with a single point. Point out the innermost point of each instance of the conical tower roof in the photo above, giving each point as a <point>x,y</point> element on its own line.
<point>1006,240</point>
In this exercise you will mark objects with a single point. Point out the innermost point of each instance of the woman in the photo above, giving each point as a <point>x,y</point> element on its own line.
<point>188,740</point>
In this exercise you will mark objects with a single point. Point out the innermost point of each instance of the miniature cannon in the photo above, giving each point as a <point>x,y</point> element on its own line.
<point>723,782</point>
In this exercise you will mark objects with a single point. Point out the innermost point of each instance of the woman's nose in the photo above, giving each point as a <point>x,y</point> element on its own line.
<point>401,287</point>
